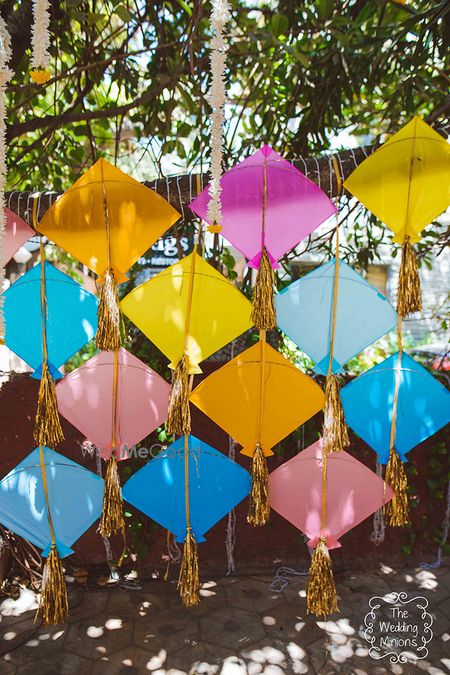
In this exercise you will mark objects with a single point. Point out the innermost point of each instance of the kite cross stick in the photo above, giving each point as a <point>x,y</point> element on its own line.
<point>335,432</point>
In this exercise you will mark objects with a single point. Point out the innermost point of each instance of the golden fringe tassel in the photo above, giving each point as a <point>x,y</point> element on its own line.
<point>263,311</point>
<point>108,337</point>
<point>179,414</point>
<point>396,509</point>
<point>409,291</point>
<point>259,509</point>
<point>53,603</point>
<point>47,426</point>
<point>112,510</point>
<point>189,580</point>
<point>335,431</point>
<point>321,591</point>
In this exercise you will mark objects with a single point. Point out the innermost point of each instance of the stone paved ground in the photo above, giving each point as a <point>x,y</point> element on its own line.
<point>241,628</point>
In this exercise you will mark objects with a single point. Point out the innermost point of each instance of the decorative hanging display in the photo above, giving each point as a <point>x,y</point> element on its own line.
<point>17,232</point>
<point>5,76</point>
<point>40,40</point>
<point>268,207</point>
<point>50,501</point>
<point>189,311</point>
<point>325,496</point>
<point>187,489</point>
<point>393,407</point>
<point>108,220</point>
<point>115,400</point>
<point>258,398</point>
<point>405,184</point>
<point>220,15</point>
<point>44,334</point>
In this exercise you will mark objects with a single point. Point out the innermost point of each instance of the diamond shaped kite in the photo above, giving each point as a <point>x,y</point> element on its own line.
<point>423,405</point>
<point>305,311</point>
<point>86,399</point>
<point>17,232</point>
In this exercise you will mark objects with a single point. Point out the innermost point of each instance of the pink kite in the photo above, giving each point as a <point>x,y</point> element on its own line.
<point>353,493</point>
<point>17,232</point>
<point>85,398</point>
<point>267,202</point>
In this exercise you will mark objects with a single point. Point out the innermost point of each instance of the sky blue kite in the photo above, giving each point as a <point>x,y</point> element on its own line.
<point>305,308</point>
<point>423,405</point>
<point>75,497</point>
<point>216,485</point>
<point>71,318</point>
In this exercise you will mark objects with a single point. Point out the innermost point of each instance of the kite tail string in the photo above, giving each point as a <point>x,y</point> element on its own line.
<point>112,520</point>
<point>47,425</point>
<point>263,309</point>
<point>53,603</point>
<point>259,508</point>
<point>396,510</point>
<point>189,579</point>
<point>108,337</point>
<point>409,299</point>
<point>379,528</point>
<point>335,432</point>
<point>321,591</point>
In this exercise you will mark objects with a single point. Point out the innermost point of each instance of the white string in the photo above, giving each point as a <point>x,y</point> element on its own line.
<point>445,529</point>
<point>282,578</point>
<point>110,556</point>
<point>379,527</point>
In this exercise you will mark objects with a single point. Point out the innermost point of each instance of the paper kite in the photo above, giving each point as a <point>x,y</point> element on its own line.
<point>268,207</point>
<point>17,232</point>
<point>108,220</point>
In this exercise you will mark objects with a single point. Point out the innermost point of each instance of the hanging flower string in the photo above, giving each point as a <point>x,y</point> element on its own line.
<point>220,15</point>
<point>40,40</point>
<point>5,76</point>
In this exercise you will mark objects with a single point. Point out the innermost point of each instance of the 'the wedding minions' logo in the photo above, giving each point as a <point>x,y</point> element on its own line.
<point>398,627</point>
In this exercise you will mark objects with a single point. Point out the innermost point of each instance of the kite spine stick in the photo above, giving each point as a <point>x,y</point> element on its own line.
<point>335,431</point>
<point>189,578</point>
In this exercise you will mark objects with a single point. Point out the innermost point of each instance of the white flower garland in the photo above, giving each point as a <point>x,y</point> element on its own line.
<point>40,40</point>
<point>5,76</point>
<point>220,15</point>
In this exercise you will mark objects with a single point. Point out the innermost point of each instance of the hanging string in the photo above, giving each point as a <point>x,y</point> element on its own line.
<point>47,426</point>
<point>379,528</point>
<point>396,510</point>
<point>335,432</point>
<point>112,520</point>
<point>259,508</point>
<point>189,579</point>
<point>444,537</point>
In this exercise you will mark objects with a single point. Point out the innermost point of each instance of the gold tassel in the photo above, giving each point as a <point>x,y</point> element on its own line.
<point>112,510</point>
<point>335,432</point>
<point>53,603</point>
<point>179,414</point>
<point>396,509</point>
<point>108,337</point>
<point>214,228</point>
<point>263,311</point>
<point>40,75</point>
<point>259,509</point>
<point>409,292</point>
<point>47,426</point>
<point>321,591</point>
<point>189,580</point>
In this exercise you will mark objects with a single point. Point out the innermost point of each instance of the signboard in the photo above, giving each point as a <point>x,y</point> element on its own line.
<point>163,253</point>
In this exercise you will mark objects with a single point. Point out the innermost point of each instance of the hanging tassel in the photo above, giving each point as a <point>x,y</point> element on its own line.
<point>108,337</point>
<point>179,414</point>
<point>259,509</point>
<point>53,603</point>
<point>263,311</point>
<point>409,292</point>
<point>321,591</point>
<point>112,510</point>
<point>189,580</point>
<point>396,509</point>
<point>214,228</point>
<point>47,426</point>
<point>335,432</point>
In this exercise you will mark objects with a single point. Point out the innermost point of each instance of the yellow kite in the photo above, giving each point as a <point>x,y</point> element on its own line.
<point>108,220</point>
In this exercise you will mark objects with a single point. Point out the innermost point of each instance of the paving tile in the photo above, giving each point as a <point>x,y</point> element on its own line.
<point>89,603</point>
<point>270,655</point>
<point>169,629</point>
<point>253,595</point>
<point>101,636</point>
<point>201,658</point>
<point>231,627</point>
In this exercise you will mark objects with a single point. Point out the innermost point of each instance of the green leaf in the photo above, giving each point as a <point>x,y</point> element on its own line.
<point>325,9</point>
<point>123,13</point>
<point>279,24</point>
